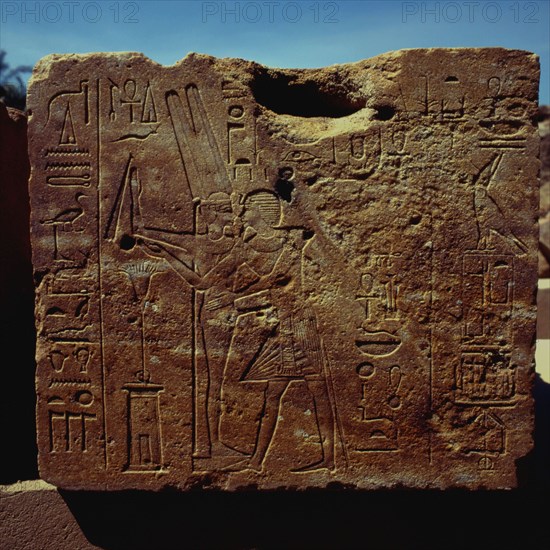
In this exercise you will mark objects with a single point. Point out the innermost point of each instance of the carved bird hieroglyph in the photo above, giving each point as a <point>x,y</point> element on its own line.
<point>67,217</point>
<point>490,218</point>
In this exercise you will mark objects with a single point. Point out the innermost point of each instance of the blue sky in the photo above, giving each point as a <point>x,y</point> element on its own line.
<point>305,33</point>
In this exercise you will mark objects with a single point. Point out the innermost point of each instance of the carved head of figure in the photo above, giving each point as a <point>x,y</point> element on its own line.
<point>82,356</point>
<point>262,211</point>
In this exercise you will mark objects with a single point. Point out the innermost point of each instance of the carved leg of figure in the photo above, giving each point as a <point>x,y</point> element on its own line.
<point>201,445</point>
<point>273,395</point>
<point>325,420</point>
<point>217,332</point>
<point>243,403</point>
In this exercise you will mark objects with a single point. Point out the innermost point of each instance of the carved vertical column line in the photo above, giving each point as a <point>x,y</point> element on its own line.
<point>99,259</point>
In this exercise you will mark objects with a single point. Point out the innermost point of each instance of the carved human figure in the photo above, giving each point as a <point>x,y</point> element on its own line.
<point>276,339</point>
<point>215,306</point>
<point>82,356</point>
<point>490,219</point>
<point>199,259</point>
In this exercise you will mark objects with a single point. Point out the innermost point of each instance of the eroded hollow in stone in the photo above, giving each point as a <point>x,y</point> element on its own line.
<point>127,242</point>
<point>282,94</point>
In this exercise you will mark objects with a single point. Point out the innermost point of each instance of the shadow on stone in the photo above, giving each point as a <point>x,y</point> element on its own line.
<point>534,469</point>
<point>17,331</point>
<point>309,520</point>
<point>283,93</point>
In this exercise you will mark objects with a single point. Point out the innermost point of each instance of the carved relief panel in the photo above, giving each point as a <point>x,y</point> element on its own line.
<point>249,275</point>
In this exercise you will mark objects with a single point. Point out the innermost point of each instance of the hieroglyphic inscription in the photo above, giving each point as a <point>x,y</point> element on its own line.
<point>284,278</point>
<point>145,447</point>
<point>488,440</point>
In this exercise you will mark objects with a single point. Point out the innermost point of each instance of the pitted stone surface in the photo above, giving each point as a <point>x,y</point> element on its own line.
<point>285,278</point>
<point>34,515</point>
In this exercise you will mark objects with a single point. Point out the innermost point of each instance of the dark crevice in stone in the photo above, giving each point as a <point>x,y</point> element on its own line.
<point>284,189</point>
<point>281,94</point>
<point>127,242</point>
<point>384,112</point>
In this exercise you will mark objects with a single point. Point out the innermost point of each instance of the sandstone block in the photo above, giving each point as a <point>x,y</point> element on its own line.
<point>34,515</point>
<point>285,278</point>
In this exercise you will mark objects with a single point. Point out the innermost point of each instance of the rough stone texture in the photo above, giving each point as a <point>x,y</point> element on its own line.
<point>34,515</point>
<point>544,245</point>
<point>17,335</point>
<point>253,277</point>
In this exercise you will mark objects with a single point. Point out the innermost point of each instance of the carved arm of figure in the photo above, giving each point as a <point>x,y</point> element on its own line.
<point>287,265</point>
<point>218,276</point>
<point>188,243</point>
<point>165,251</point>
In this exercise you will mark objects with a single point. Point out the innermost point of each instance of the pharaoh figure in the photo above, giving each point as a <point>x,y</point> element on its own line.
<point>276,339</point>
